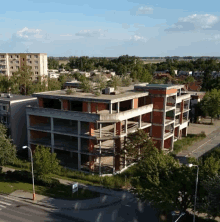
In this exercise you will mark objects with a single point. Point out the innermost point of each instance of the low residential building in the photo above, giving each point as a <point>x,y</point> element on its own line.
<point>92,129</point>
<point>13,116</point>
<point>11,62</point>
<point>184,73</point>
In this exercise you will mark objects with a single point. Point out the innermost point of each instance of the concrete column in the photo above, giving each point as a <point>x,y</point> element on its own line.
<point>126,126</point>
<point>100,151</point>
<point>79,145</point>
<point>52,143</point>
<point>110,108</point>
<point>172,142</point>
<point>89,107</point>
<point>79,153</point>
<point>132,103</point>
<point>79,127</point>
<point>51,124</point>
<point>118,107</point>
<point>140,117</point>
<point>163,122</point>
<point>100,130</point>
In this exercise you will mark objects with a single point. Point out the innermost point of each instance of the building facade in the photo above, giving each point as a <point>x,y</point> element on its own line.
<point>11,62</point>
<point>92,129</point>
<point>13,116</point>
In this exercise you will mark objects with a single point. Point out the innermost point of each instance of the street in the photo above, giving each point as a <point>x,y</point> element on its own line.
<point>126,210</point>
<point>11,210</point>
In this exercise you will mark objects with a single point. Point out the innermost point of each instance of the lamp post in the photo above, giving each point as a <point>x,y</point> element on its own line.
<point>32,169</point>
<point>197,177</point>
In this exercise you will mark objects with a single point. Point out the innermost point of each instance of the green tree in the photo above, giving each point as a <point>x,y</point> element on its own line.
<point>138,145</point>
<point>53,84</point>
<point>23,78</point>
<point>115,82</point>
<point>210,103</point>
<point>100,81</point>
<point>164,183</point>
<point>45,162</point>
<point>7,149</point>
<point>126,80</point>
<point>211,202</point>
<point>53,63</point>
<point>86,84</point>
<point>189,79</point>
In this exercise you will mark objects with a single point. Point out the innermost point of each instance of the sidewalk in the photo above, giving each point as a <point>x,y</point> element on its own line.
<point>108,197</point>
<point>200,148</point>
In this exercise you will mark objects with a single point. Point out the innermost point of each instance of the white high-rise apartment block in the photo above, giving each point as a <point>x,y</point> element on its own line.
<point>11,62</point>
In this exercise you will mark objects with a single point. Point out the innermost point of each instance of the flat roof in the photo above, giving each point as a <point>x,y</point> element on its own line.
<point>14,97</point>
<point>159,86</point>
<point>125,94</point>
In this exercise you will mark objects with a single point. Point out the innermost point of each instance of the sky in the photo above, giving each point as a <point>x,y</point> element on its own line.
<point>112,28</point>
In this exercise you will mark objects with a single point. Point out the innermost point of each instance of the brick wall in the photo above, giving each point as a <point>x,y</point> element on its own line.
<point>157,117</point>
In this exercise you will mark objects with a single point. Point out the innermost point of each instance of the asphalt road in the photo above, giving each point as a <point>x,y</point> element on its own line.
<point>11,210</point>
<point>124,211</point>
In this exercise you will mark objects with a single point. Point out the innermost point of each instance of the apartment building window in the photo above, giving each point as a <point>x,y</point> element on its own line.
<point>11,56</point>
<point>28,56</point>
<point>30,62</point>
<point>36,62</point>
<point>17,61</point>
<point>36,73</point>
<point>36,56</point>
<point>23,59</point>
<point>5,108</point>
<point>36,67</point>
<point>17,56</point>
<point>11,62</point>
<point>17,67</point>
<point>2,56</point>
<point>11,67</point>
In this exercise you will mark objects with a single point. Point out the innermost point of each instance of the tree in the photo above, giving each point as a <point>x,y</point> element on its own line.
<point>23,77</point>
<point>211,203</point>
<point>53,63</point>
<point>45,162</point>
<point>7,149</point>
<point>189,79</point>
<point>138,145</point>
<point>126,80</point>
<point>210,103</point>
<point>115,82</point>
<point>164,183</point>
<point>86,84</point>
<point>100,82</point>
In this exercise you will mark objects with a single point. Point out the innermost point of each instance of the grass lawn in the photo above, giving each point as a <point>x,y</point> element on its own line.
<point>185,142</point>
<point>60,191</point>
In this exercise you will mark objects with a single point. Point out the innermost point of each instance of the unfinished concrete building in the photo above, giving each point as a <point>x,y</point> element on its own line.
<point>91,130</point>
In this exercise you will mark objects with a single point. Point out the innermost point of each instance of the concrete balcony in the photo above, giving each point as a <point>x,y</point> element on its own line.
<point>127,114</point>
<point>183,96</point>
<point>168,135</point>
<point>89,117</point>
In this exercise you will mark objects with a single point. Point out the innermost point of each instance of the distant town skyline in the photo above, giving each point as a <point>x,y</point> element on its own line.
<point>111,28</point>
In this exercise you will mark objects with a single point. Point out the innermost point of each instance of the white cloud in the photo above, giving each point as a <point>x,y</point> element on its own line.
<point>27,33</point>
<point>144,10</point>
<point>66,35</point>
<point>203,20</point>
<point>138,38</point>
<point>125,26</point>
<point>90,33</point>
<point>194,22</point>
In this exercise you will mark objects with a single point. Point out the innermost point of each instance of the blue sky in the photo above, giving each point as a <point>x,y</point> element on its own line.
<point>111,28</point>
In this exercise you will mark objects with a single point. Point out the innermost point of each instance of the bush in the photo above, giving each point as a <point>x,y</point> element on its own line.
<point>25,176</point>
<point>185,142</point>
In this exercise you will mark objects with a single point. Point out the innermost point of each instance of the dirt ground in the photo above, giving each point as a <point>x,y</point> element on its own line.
<point>195,128</point>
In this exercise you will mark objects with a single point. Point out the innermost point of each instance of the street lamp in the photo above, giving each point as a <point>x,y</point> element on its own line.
<point>174,214</point>
<point>25,147</point>
<point>197,177</point>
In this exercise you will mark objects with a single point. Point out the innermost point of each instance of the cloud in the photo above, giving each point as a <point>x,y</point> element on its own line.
<point>66,35</point>
<point>215,38</point>
<point>125,26</point>
<point>90,33</point>
<point>144,10</point>
<point>27,33</point>
<point>138,38</point>
<point>194,22</point>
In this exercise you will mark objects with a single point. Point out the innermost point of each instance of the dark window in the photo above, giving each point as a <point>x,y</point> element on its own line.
<point>52,103</point>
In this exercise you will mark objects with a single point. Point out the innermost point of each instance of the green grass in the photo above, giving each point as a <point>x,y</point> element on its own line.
<point>60,191</point>
<point>185,142</point>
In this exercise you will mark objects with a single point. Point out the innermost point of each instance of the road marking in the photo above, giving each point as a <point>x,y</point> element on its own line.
<point>2,206</point>
<point>5,203</point>
<point>200,146</point>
